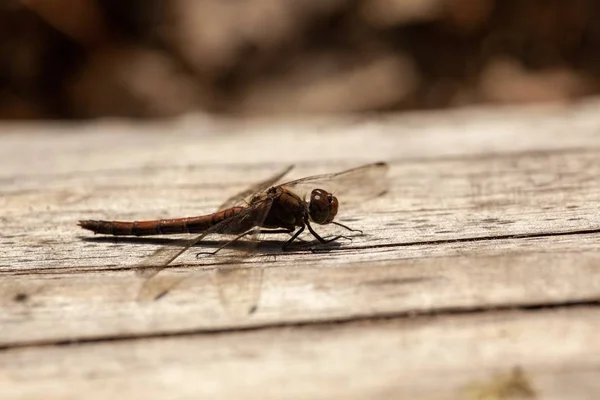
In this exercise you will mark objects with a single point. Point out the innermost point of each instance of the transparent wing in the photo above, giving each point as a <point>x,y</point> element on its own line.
<point>352,186</point>
<point>251,218</point>
<point>257,187</point>
<point>239,289</point>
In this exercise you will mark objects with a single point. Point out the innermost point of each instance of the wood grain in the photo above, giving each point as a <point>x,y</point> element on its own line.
<point>104,303</point>
<point>546,354</point>
<point>487,209</point>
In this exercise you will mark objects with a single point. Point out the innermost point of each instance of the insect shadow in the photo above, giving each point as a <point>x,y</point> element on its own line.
<point>265,247</point>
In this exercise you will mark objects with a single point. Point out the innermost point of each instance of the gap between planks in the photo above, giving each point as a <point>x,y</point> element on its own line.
<point>415,316</point>
<point>542,354</point>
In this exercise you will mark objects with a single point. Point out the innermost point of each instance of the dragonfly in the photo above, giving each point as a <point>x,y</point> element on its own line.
<point>264,208</point>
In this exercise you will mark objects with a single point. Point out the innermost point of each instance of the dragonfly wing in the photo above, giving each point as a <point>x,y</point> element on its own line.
<point>258,187</point>
<point>352,186</point>
<point>153,287</point>
<point>239,289</point>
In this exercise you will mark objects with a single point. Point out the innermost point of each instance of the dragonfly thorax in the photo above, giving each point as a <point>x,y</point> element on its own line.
<point>323,206</point>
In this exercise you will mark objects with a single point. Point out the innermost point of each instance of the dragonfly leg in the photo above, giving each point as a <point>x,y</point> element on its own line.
<point>238,237</point>
<point>320,239</point>
<point>347,227</point>
<point>287,244</point>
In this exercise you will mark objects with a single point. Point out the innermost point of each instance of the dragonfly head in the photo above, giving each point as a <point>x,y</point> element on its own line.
<point>323,206</point>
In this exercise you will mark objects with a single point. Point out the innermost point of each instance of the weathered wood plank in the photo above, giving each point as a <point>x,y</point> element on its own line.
<point>456,197</point>
<point>205,141</point>
<point>520,194</point>
<point>547,354</point>
<point>486,209</point>
<point>427,278</point>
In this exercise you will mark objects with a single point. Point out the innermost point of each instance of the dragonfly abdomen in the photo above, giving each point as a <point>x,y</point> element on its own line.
<point>160,226</point>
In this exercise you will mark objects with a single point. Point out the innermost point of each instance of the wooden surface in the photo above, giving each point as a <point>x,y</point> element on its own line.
<point>478,275</point>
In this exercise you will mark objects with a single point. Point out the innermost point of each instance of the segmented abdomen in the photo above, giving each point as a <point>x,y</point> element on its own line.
<point>160,226</point>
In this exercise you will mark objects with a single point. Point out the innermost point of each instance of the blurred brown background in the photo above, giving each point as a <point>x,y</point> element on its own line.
<point>154,58</point>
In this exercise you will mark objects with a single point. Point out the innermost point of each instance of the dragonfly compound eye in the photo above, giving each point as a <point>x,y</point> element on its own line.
<point>323,206</point>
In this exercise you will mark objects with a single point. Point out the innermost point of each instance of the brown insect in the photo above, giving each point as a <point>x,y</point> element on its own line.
<point>261,209</point>
<point>277,209</point>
